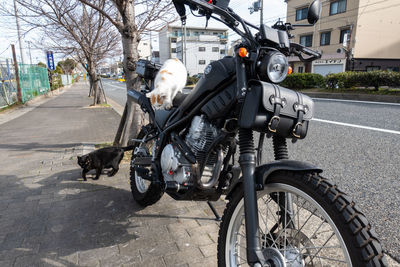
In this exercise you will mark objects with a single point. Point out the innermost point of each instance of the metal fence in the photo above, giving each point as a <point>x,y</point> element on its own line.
<point>8,86</point>
<point>34,81</point>
<point>66,79</point>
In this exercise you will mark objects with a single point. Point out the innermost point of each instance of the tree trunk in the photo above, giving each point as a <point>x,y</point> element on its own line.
<point>95,89</point>
<point>134,118</point>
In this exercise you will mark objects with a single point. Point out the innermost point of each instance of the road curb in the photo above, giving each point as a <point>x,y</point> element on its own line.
<point>357,97</point>
<point>115,106</point>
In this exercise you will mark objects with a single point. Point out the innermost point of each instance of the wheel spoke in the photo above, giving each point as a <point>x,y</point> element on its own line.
<point>324,258</point>
<point>305,235</point>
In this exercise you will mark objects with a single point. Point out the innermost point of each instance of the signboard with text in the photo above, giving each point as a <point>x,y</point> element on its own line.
<point>50,60</point>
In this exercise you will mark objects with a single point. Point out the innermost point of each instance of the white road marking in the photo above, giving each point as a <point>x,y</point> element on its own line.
<point>358,126</point>
<point>357,101</point>
<point>116,86</point>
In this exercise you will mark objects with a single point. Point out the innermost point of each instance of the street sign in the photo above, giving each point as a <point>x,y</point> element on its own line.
<point>50,60</point>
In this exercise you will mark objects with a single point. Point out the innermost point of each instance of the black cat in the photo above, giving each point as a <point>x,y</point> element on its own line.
<point>108,157</point>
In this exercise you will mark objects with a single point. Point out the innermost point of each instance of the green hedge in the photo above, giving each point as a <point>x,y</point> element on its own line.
<point>304,81</point>
<point>363,79</point>
<point>192,80</point>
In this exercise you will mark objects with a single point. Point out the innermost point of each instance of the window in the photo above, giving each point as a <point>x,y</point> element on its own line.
<point>306,40</point>
<point>222,51</point>
<point>372,68</point>
<point>342,33</point>
<point>202,49</point>
<point>215,33</point>
<point>300,69</point>
<point>325,38</point>
<point>392,69</point>
<point>173,40</point>
<point>337,7</point>
<point>215,49</point>
<point>301,13</point>
<point>173,50</point>
<point>177,33</point>
<point>202,62</point>
<point>196,33</point>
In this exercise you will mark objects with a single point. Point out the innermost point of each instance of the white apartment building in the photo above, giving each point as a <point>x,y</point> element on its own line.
<point>144,50</point>
<point>203,46</point>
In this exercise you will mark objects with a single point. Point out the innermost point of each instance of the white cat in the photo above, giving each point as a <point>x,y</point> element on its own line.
<point>169,81</point>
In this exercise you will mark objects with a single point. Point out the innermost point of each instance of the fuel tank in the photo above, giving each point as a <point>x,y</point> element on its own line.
<point>215,74</point>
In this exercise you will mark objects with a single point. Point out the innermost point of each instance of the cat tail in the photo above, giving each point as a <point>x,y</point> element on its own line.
<point>127,148</point>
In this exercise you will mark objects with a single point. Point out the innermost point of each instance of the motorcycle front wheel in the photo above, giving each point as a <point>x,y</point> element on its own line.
<point>304,220</point>
<point>144,192</point>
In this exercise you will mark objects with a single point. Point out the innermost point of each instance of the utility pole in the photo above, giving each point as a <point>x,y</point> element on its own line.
<point>19,33</point>
<point>258,6</point>
<point>16,74</point>
<point>30,54</point>
<point>184,43</point>
<point>151,47</point>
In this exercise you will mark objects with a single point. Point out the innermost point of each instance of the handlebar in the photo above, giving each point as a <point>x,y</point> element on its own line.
<point>299,50</point>
<point>233,20</point>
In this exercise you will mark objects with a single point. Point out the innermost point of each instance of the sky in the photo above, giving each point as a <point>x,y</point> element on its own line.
<point>273,9</point>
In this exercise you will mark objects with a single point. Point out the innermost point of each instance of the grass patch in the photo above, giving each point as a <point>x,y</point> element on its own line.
<point>102,145</point>
<point>105,105</point>
<point>100,106</point>
<point>10,107</point>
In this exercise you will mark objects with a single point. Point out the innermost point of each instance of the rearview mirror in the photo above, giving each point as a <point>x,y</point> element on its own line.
<point>314,12</point>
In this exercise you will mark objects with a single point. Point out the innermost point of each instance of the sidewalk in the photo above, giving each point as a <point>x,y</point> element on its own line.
<point>49,217</point>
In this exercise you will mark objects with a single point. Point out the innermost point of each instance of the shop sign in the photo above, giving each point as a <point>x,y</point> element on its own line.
<point>329,61</point>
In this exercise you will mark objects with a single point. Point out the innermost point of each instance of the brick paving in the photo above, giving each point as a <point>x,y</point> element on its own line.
<point>50,217</point>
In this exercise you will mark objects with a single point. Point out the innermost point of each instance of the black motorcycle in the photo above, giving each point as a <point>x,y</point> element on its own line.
<point>282,213</point>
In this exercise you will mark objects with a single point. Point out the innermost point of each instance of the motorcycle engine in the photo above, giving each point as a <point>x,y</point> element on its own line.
<point>175,167</point>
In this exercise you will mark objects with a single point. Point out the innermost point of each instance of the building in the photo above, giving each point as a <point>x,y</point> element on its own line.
<point>359,35</point>
<point>156,57</point>
<point>144,50</point>
<point>202,46</point>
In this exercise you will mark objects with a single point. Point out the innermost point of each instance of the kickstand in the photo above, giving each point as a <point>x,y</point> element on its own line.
<point>217,217</point>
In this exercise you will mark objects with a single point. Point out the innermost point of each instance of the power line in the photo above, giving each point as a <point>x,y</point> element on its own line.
<point>5,50</point>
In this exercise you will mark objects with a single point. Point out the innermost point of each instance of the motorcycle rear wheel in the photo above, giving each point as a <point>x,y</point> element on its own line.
<point>325,229</point>
<point>144,192</point>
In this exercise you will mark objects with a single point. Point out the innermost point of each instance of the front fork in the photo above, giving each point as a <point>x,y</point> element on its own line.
<point>247,161</point>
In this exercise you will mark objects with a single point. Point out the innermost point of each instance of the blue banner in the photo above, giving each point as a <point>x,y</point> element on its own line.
<point>50,60</point>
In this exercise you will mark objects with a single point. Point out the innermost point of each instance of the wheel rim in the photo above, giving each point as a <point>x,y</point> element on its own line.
<point>142,185</point>
<point>314,240</point>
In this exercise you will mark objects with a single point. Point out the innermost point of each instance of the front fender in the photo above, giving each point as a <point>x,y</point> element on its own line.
<point>262,172</point>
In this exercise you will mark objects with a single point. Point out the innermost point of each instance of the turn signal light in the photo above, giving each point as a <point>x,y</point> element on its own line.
<point>290,70</point>
<point>242,52</point>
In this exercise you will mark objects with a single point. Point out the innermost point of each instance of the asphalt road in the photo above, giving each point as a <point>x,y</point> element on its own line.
<point>357,144</point>
<point>115,90</point>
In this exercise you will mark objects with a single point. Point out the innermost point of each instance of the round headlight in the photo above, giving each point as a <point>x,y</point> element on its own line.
<point>274,66</point>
